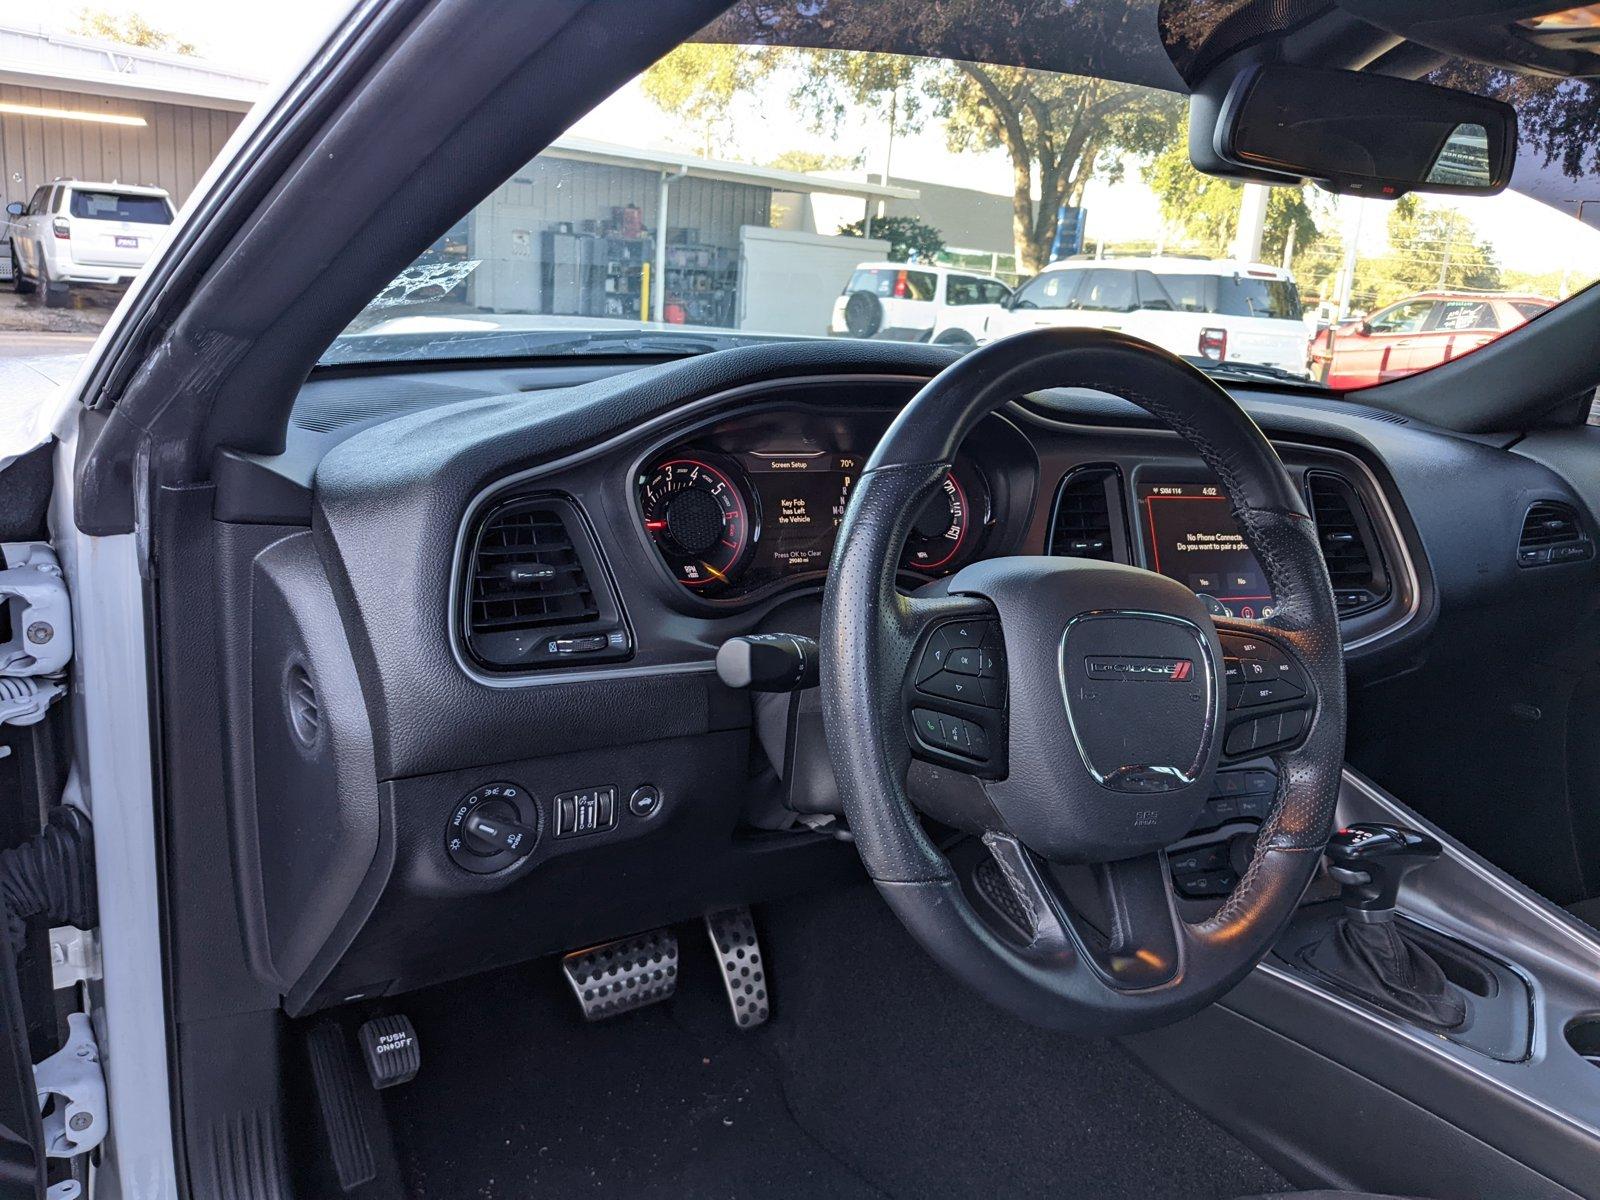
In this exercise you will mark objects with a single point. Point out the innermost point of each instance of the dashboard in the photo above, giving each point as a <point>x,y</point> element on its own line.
<point>512,581</point>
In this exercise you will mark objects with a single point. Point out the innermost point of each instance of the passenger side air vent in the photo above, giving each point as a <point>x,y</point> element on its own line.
<point>536,592</point>
<point>1349,544</point>
<point>1552,533</point>
<point>1088,520</point>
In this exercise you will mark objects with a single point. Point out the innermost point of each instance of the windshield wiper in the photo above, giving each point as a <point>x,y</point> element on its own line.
<point>1242,370</point>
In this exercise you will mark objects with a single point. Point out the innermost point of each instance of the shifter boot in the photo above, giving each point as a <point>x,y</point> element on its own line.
<point>1375,960</point>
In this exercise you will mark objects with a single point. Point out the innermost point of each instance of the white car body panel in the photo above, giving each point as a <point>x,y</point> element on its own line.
<point>1267,341</point>
<point>905,319</point>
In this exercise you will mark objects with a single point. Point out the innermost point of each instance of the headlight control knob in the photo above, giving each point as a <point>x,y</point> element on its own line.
<point>493,828</point>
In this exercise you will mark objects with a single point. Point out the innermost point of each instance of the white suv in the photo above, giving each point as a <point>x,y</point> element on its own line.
<point>1224,311</point>
<point>916,302</point>
<point>73,232</point>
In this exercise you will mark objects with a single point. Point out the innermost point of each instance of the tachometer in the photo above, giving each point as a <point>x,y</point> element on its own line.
<point>698,514</point>
<point>941,532</point>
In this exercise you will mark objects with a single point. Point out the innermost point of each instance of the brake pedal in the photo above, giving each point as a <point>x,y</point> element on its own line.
<point>733,937</point>
<point>390,1046</point>
<point>620,976</point>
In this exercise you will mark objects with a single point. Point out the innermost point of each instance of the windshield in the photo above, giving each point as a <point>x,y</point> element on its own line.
<point>736,191</point>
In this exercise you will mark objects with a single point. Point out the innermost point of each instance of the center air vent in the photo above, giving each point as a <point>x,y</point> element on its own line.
<point>1349,544</point>
<point>536,590</point>
<point>1088,519</point>
<point>1551,533</point>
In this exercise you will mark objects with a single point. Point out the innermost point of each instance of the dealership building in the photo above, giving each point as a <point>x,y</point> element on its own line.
<point>586,230</point>
<point>78,108</point>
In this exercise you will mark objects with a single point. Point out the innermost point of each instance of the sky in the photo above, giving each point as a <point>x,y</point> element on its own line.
<point>269,40</point>
<point>264,40</point>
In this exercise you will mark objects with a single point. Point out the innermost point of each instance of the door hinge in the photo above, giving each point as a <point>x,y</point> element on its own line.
<point>72,1093</point>
<point>33,659</point>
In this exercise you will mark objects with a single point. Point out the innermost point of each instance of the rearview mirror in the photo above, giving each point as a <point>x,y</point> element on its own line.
<point>1371,135</point>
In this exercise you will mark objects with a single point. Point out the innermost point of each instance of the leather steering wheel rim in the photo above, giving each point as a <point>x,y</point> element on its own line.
<point>870,630</point>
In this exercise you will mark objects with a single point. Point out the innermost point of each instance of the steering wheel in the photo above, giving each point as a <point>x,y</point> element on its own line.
<point>1079,712</point>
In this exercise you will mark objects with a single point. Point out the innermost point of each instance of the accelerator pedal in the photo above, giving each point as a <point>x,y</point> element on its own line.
<point>346,1113</point>
<point>620,976</point>
<point>733,938</point>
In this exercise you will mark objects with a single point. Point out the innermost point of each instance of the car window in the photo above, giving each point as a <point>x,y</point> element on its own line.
<point>993,292</point>
<point>1455,315</point>
<point>1530,308</point>
<point>1189,293</point>
<point>119,206</point>
<point>1053,289</point>
<point>889,283</point>
<point>36,203</point>
<point>964,289</point>
<point>1152,296</point>
<point>1406,317</point>
<point>1107,291</point>
<point>1252,296</point>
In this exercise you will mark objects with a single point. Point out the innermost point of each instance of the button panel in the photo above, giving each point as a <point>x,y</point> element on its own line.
<point>590,810</point>
<point>1206,864</point>
<point>956,695</point>
<point>1261,675</point>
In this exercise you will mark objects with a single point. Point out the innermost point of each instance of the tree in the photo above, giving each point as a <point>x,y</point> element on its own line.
<point>1430,247</point>
<point>908,237</point>
<point>1205,208</point>
<point>807,162</point>
<point>701,82</point>
<point>129,30</point>
<point>1058,131</point>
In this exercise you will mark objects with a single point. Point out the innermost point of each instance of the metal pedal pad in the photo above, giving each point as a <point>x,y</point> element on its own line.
<point>620,976</point>
<point>733,937</point>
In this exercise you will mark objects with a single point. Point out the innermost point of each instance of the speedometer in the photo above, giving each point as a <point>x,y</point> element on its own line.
<point>698,514</point>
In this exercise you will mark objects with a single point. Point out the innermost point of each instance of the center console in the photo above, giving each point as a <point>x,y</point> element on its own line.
<point>1372,1097</point>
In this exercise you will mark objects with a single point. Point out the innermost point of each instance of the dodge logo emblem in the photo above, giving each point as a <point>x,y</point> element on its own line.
<point>1141,670</point>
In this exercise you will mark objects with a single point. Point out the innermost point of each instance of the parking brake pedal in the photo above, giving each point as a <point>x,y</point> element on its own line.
<point>620,976</point>
<point>733,938</point>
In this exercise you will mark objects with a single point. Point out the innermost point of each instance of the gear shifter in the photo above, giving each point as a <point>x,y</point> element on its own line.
<point>1371,861</point>
<point>1368,953</point>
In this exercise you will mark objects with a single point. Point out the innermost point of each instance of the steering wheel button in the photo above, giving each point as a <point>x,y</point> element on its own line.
<point>965,661</point>
<point>953,687</point>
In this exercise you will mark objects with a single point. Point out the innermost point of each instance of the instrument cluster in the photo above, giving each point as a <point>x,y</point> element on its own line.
<point>755,505</point>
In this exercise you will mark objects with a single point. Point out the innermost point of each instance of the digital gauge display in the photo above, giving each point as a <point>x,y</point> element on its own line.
<point>732,523</point>
<point>1194,539</point>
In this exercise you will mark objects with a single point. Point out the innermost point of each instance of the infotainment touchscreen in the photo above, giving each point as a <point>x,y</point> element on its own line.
<point>1194,539</point>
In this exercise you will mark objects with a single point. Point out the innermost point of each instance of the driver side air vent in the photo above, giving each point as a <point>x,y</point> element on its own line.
<point>1084,525</point>
<point>1551,533</point>
<point>1349,544</point>
<point>536,590</point>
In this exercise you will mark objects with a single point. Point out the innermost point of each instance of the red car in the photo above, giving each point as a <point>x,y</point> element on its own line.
<point>1414,334</point>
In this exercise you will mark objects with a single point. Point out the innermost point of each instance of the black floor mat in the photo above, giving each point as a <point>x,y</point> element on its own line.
<point>877,1076</point>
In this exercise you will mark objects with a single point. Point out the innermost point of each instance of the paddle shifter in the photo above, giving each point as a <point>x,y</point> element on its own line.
<point>1370,861</point>
<point>1369,953</point>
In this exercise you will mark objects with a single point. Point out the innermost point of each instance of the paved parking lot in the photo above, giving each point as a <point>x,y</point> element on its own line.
<point>28,328</point>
